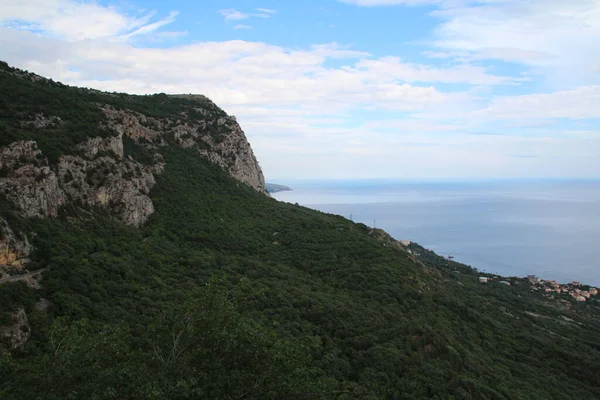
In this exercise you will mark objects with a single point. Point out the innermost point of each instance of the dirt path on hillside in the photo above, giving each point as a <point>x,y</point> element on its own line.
<point>22,277</point>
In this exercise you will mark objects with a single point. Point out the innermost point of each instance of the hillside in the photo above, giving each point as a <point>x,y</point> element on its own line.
<point>274,188</point>
<point>166,272</point>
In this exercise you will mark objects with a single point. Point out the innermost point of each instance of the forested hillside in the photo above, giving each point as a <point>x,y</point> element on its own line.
<point>221,292</point>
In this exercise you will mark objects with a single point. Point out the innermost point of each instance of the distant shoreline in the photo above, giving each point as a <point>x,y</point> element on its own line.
<point>274,188</point>
<point>508,229</point>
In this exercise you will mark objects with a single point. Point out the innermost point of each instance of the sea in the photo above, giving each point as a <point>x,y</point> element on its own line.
<point>547,228</point>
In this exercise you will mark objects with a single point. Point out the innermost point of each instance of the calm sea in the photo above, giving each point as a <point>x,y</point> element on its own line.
<point>547,228</point>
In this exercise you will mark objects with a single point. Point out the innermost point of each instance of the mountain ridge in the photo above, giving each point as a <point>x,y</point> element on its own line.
<point>39,181</point>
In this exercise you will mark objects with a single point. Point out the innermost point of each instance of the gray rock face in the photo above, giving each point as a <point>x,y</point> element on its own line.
<point>94,146</point>
<point>121,185</point>
<point>41,121</point>
<point>14,250</point>
<point>18,154</point>
<point>29,182</point>
<point>39,191</point>
<point>233,153</point>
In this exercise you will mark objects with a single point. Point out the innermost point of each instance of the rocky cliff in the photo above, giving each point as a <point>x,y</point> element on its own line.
<point>55,164</point>
<point>219,138</point>
<point>14,250</point>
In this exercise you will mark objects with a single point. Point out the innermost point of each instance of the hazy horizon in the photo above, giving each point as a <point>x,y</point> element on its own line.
<point>546,228</point>
<point>302,181</point>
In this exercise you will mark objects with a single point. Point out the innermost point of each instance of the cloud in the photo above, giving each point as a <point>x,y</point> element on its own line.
<point>336,51</point>
<point>556,39</point>
<point>73,20</point>
<point>394,68</point>
<point>233,73</point>
<point>242,26</point>
<point>231,14</point>
<point>145,29</point>
<point>378,3</point>
<point>266,10</point>
<point>581,103</point>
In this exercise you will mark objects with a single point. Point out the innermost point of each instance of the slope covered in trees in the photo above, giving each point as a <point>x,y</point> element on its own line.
<point>225,293</point>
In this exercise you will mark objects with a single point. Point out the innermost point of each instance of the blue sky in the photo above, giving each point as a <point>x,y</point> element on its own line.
<point>408,89</point>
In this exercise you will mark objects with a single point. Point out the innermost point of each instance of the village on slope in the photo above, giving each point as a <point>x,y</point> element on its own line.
<point>574,289</point>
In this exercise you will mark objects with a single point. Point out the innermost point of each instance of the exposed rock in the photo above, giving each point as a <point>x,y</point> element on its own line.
<point>134,125</point>
<point>123,186</point>
<point>232,153</point>
<point>18,333</point>
<point>41,121</point>
<point>235,155</point>
<point>19,153</point>
<point>93,146</point>
<point>103,176</point>
<point>387,239</point>
<point>14,249</point>
<point>29,182</point>
<point>33,282</point>
<point>38,191</point>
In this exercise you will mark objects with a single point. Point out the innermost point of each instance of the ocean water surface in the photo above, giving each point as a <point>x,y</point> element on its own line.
<point>547,228</point>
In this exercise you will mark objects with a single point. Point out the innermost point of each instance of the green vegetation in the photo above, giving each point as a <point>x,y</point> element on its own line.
<point>72,114</point>
<point>274,188</point>
<point>227,294</point>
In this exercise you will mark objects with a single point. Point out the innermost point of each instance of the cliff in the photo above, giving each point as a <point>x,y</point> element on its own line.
<point>112,163</point>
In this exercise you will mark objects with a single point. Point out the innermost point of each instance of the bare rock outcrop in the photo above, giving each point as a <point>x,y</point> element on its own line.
<point>41,121</point>
<point>134,125</point>
<point>97,145</point>
<point>28,181</point>
<point>14,249</point>
<point>37,190</point>
<point>220,139</point>
<point>121,185</point>
<point>97,173</point>
<point>235,155</point>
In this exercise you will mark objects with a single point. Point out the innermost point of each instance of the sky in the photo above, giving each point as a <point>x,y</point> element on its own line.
<point>348,89</point>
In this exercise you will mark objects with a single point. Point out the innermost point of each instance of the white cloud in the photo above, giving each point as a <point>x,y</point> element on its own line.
<point>232,14</point>
<point>242,26</point>
<point>233,73</point>
<point>394,68</point>
<point>378,3</point>
<point>266,10</point>
<point>558,39</point>
<point>73,20</point>
<point>145,29</point>
<point>582,103</point>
